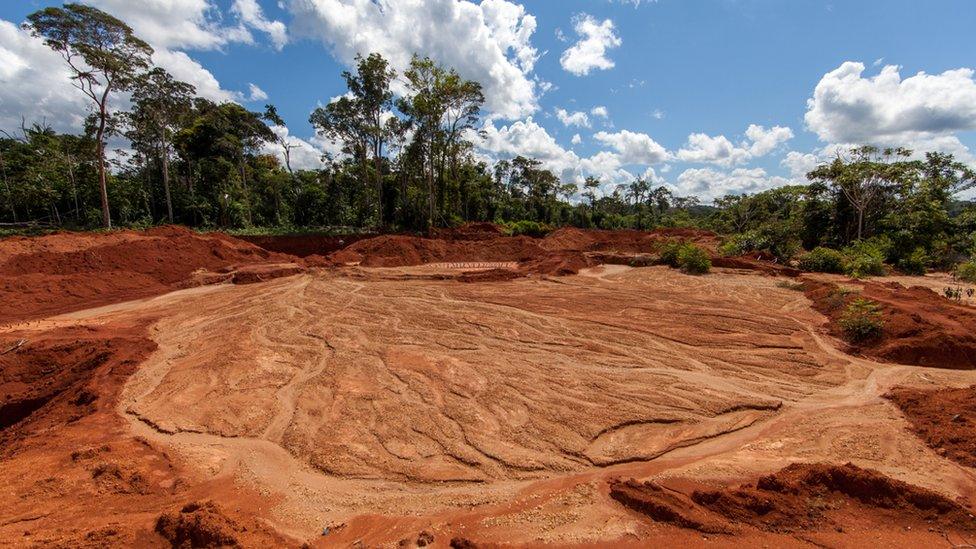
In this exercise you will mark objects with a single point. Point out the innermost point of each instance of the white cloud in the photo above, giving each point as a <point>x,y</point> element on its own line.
<point>305,155</point>
<point>600,111</point>
<point>759,141</point>
<point>800,164</point>
<point>179,24</point>
<point>251,14</point>
<point>256,93</point>
<point>487,42</point>
<point>577,118</point>
<point>576,140</point>
<point>34,84</point>
<point>885,109</point>
<point>634,148</point>
<point>590,52</point>
<point>708,184</point>
<point>185,68</point>
<point>658,114</point>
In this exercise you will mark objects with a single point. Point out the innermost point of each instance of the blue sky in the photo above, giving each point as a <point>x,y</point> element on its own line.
<point>669,70</point>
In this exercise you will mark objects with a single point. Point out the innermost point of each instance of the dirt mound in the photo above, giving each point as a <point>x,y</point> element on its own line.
<point>402,251</point>
<point>944,418</point>
<point>304,245</point>
<point>56,378</point>
<point>198,525</point>
<point>68,271</point>
<point>920,327</point>
<point>469,231</point>
<point>801,497</point>
<point>754,262</point>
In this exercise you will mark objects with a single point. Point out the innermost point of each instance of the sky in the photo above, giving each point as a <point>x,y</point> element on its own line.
<point>707,97</point>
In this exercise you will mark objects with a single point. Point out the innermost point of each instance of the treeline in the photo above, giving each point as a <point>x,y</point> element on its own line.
<point>407,163</point>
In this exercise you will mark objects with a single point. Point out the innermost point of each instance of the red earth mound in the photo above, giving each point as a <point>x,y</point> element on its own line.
<point>469,231</point>
<point>304,245</point>
<point>920,327</point>
<point>754,262</point>
<point>401,251</point>
<point>69,271</point>
<point>801,497</point>
<point>944,418</point>
<point>206,524</point>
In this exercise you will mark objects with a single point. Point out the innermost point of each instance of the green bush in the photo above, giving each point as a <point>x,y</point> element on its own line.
<point>670,251</point>
<point>823,260</point>
<point>527,228</point>
<point>914,263</point>
<point>967,271</point>
<point>862,320</point>
<point>773,239</point>
<point>694,260</point>
<point>864,258</point>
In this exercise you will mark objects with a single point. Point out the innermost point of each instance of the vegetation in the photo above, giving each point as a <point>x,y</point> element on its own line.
<point>823,260</point>
<point>862,320</point>
<point>967,271</point>
<point>409,163</point>
<point>685,256</point>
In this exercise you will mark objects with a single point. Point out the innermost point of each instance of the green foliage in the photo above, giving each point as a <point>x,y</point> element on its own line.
<point>772,238</point>
<point>693,260</point>
<point>823,260</point>
<point>862,320</point>
<point>967,271</point>
<point>686,256</point>
<point>864,258</point>
<point>914,263</point>
<point>527,228</point>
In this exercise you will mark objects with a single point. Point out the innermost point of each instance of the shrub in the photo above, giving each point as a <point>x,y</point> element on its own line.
<point>528,228</point>
<point>776,240</point>
<point>914,263</point>
<point>823,260</point>
<point>967,271</point>
<point>862,320</point>
<point>670,251</point>
<point>693,260</point>
<point>864,258</point>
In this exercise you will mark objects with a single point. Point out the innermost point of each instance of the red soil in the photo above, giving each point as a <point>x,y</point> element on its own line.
<point>302,245</point>
<point>69,271</point>
<point>920,327</point>
<point>944,418</point>
<point>755,262</point>
<point>72,474</point>
<point>801,497</point>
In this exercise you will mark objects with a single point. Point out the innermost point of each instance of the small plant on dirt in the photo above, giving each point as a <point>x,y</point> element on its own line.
<point>694,260</point>
<point>670,251</point>
<point>823,260</point>
<point>795,286</point>
<point>914,263</point>
<point>954,293</point>
<point>967,271</point>
<point>862,320</point>
<point>527,228</point>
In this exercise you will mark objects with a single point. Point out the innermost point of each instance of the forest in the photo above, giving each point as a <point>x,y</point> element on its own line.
<point>408,164</point>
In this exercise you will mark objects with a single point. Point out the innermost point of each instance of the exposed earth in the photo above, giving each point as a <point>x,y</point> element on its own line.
<point>166,388</point>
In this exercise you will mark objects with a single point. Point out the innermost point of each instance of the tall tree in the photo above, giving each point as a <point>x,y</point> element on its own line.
<point>104,56</point>
<point>160,105</point>
<point>271,115</point>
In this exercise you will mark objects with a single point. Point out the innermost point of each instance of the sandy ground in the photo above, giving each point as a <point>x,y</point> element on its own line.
<point>394,403</point>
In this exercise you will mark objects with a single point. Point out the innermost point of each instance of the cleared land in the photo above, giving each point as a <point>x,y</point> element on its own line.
<point>389,401</point>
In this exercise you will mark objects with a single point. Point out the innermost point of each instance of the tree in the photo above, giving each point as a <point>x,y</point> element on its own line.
<point>104,56</point>
<point>271,115</point>
<point>636,191</point>
<point>160,104</point>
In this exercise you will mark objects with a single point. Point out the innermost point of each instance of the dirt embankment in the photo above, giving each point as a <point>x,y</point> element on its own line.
<point>920,327</point>
<point>801,497</point>
<point>73,476</point>
<point>944,418</point>
<point>69,271</point>
<point>302,245</point>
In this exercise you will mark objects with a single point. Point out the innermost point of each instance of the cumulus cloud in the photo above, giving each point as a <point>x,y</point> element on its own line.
<point>495,35</point>
<point>708,184</point>
<point>600,111</point>
<point>577,118</point>
<point>576,140</point>
<point>633,148</point>
<point>529,139</point>
<point>305,154</point>
<point>759,141</point>
<point>34,84</point>
<point>800,164</point>
<point>251,14</point>
<point>590,52</point>
<point>256,93</point>
<point>847,107</point>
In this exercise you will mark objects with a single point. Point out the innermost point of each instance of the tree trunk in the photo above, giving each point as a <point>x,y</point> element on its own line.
<point>169,201</point>
<point>100,151</point>
<point>377,165</point>
<point>860,222</point>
